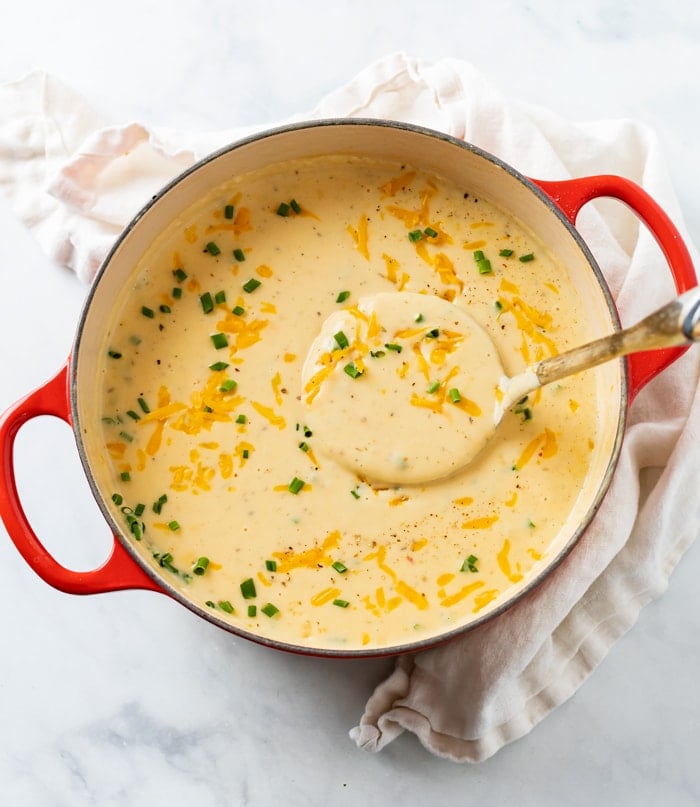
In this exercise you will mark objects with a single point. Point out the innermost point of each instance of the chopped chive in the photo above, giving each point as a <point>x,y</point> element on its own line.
<point>341,603</point>
<point>430,232</point>
<point>341,568</point>
<point>133,415</point>
<point>252,610</point>
<point>173,526</point>
<point>271,565</point>
<point>527,258</point>
<point>125,476</point>
<point>180,275</point>
<point>469,564</point>
<point>144,406</point>
<point>304,446</point>
<point>158,505</point>
<point>418,318</point>
<point>114,354</point>
<point>177,292</point>
<point>296,207</point>
<point>341,340</point>
<point>238,310</point>
<point>226,606</point>
<point>434,387</point>
<point>207,302</point>
<point>219,340</point>
<point>269,609</point>
<point>210,604</point>
<point>241,419</point>
<point>531,524</point>
<point>228,212</point>
<point>377,354</point>
<point>499,305</point>
<point>117,498</point>
<point>228,385</point>
<point>433,333</point>
<point>212,248</point>
<point>238,254</point>
<point>164,309</point>
<point>220,297</point>
<point>505,253</point>
<point>393,346</point>
<point>248,589</point>
<point>218,365</point>
<point>353,370</point>
<point>250,285</point>
<point>307,432</point>
<point>166,561</point>
<point>454,394</point>
<point>135,340</point>
<point>147,312</point>
<point>354,494</point>
<point>246,453</point>
<point>295,485</point>
<point>200,566</point>
<point>138,510</point>
<point>126,436</point>
<point>415,235</point>
<point>283,209</point>
<point>342,296</point>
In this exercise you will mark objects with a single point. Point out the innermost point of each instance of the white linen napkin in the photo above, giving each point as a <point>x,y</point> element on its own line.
<point>76,182</point>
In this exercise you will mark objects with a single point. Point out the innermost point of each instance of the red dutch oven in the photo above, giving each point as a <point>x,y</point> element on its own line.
<point>550,209</point>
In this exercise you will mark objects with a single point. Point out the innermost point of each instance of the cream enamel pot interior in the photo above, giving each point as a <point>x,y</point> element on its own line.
<point>548,209</point>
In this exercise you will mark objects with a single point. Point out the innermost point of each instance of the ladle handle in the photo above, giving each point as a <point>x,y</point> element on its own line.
<point>571,195</point>
<point>676,323</point>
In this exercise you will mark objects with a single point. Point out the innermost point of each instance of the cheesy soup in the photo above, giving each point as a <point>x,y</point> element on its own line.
<point>293,386</point>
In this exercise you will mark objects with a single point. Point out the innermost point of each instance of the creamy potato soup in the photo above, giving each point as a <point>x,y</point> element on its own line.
<point>295,381</point>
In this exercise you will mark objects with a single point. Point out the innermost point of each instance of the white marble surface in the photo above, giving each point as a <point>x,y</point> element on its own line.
<point>128,699</point>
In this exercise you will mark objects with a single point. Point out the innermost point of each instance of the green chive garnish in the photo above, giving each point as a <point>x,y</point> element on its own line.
<point>220,297</point>
<point>283,209</point>
<point>251,285</point>
<point>177,292</point>
<point>527,258</point>
<point>158,505</point>
<point>246,453</point>
<point>180,275</point>
<point>271,565</point>
<point>229,385</point>
<point>207,302</point>
<point>225,605</point>
<point>252,610</point>
<point>418,318</point>
<point>469,564</point>
<point>218,365</point>
<point>354,494</point>
<point>164,309</point>
<point>433,333</point>
<point>434,387</point>
<point>166,561</point>
<point>505,253</point>
<point>117,499</point>
<point>173,526</point>
<point>144,406</point>
<point>352,370</point>
<point>147,312</point>
<point>483,264</point>
<point>342,297</point>
<point>454,394</point>
<point>114,354</point>
<point>228,212</point>
<point>296,207</point>
<point>248,589</point>
<point>241,419</point>
<point>499,305</point>
<point>219,340</point>
<point>393,346</point>
<point>341,568</point>
<point>304,446</point>
<point>295,485</point>
<point>238,311</point>
<point>269,609</point>
<point>133,415</point>
<point>212,248</point>
<point>377,354</point>
<point>238,254</point>
<point>138,510</point>
<point>200,566</point>
<point>341,340</point>
<point>430,232</point>
<point>415,235</point>
<point>341,603</point>
<point>125,476</point>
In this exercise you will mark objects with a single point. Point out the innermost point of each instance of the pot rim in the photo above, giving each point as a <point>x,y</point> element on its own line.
<point>406,647</point>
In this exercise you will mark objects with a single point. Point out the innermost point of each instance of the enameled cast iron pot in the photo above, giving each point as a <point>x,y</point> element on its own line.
<point>549,209</point>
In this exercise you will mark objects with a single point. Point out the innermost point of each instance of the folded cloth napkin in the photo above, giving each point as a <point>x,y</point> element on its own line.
<point>76,182</point>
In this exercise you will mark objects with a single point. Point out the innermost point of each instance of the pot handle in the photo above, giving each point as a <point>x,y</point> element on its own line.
<point>572,194</point>
<point>119,571</point>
